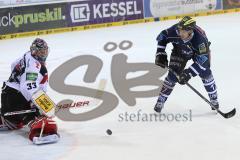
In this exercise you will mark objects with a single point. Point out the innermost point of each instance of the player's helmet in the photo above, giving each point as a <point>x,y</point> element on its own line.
<point>39,49</point>
<point>186,23</point>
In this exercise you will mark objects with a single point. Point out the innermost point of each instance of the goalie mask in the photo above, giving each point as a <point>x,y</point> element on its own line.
<point>39,50</point>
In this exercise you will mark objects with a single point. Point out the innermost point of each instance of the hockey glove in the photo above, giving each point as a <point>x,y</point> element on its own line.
<point>161,59</point>
<point>184,77</point>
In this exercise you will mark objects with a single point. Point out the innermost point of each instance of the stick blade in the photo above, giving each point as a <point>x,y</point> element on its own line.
<point>229,114</point>
<point>46,140</point>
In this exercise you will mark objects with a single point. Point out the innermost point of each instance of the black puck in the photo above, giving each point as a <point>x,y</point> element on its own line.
<point>109,132</point>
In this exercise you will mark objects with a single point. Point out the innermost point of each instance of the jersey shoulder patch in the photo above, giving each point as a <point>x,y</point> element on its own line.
<point>202,48</point>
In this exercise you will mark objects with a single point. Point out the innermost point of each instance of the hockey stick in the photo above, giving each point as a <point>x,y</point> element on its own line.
<point>225,115</point>
<point>19,112</point>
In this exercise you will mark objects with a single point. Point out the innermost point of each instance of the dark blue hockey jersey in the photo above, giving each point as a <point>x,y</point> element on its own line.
<point>197,48</point>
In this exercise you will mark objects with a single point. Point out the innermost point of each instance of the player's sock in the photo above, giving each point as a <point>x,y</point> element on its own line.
<point>211,88</point>
<point>164,93</point>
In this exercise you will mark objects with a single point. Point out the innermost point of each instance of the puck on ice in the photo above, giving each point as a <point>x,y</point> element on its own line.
<point>109,132</point>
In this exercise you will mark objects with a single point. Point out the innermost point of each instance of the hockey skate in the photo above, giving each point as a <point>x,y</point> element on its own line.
<point>215,104</point>
<point>158,107</point>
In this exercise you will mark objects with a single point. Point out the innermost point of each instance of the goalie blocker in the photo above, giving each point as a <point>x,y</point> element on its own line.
<point>44,103</point>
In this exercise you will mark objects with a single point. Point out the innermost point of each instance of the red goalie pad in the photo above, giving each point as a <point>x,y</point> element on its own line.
<point>49,127</point>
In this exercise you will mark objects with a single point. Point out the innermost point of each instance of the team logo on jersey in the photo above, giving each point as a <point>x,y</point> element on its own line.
<point>202,48</point>
<point>31,76</point>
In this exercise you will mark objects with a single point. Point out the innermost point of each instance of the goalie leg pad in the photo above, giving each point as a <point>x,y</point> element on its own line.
<point>43,129</point>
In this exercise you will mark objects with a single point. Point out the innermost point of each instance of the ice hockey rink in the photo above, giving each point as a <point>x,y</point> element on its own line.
<point>205,135</point>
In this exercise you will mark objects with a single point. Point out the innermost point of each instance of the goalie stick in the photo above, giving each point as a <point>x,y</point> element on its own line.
<point>225,115</point>
<point>20,112</point>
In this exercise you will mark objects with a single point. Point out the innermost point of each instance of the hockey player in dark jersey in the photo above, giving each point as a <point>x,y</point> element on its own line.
<point>189,43</point>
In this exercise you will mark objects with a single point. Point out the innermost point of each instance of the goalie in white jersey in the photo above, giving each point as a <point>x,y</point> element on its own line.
<point>29,74</point>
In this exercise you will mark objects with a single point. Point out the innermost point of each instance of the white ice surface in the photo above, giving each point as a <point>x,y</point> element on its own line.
<point>207,136</point>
